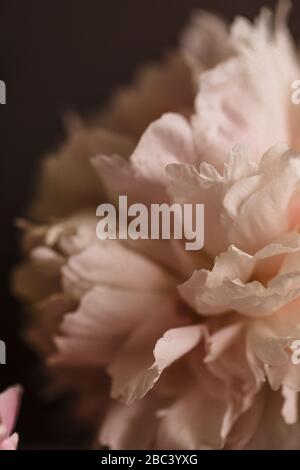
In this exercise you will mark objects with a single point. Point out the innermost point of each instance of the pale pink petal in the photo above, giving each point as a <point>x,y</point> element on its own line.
<point>130,427</point>
<point>97,329</point>
<point>119,178</point>
<point>249,204</point>
<point>290,407</point>
<point>269,344</point>
<point>10,443</point>
<point>247,424</point>
<point>229,286</point>
<point>193,422</point>
<point>206,186</point>
<point>255,82</point>
<point>172,255</point>
<point>167,140</point>
<point>131,372</point>
<point>273,433</point>
<point>174,344</point>
<point>111,263</point>
<point>221,340</point>
<point>264,215</point>
<point>9,406</point>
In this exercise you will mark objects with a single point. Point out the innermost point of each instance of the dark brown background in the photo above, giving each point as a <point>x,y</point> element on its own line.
<point>55,56</point>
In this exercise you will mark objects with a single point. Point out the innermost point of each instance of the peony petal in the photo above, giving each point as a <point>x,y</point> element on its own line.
<point>167,140</point>
<point>10,443</point>
<point>269,344</point>
<point>9,406</point>
<point>290,407</point>
<point>227,286</point>
<point>111,263</point>
<point>254,82</point>
<point>272,432</point>
<point>130,427</point>
<point>133,371</point>
<point>193,422</point>
<point>93,334</point>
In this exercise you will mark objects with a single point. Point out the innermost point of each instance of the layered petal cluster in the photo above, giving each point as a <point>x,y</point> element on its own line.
<point>168,348</point>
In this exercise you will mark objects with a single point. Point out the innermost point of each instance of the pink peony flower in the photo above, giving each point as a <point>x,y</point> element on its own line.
<point>9,405</point>
<point>168,348</point>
